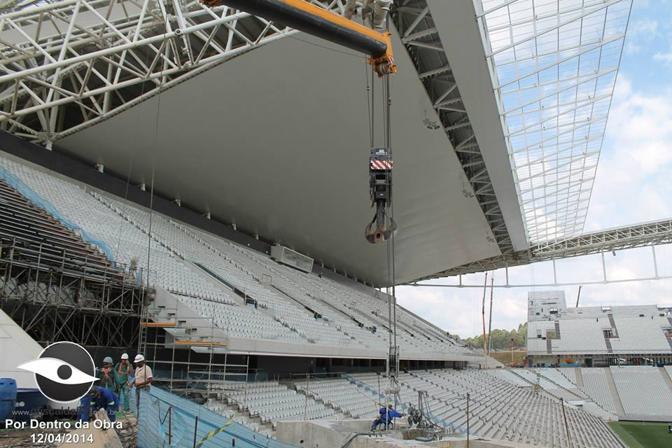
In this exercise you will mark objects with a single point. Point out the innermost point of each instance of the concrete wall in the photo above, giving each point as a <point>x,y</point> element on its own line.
<point>334,434</point>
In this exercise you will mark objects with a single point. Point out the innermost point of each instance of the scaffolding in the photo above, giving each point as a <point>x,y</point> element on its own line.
<point>188,353</point>
<point>67,296</point>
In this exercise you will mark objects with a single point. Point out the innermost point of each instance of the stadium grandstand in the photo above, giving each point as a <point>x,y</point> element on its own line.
<point>596,336</point>
<point>191,182</point>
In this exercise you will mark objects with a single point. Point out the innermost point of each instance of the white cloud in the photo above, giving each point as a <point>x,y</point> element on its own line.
<point>665,58</point>
<point>640,33</point>
<point>633,182</point>
<point>643,27</point>
<point>459,310</point>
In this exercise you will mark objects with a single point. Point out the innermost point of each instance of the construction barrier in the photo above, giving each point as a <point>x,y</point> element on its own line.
<point>167,420</point>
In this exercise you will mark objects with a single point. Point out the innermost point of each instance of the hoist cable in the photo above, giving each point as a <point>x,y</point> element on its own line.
<point>373,110</point>
<point>391,241</point>
<point>128,183</point>
<point>368,102</point>
<point>157,116</point>
<point>393,354</point>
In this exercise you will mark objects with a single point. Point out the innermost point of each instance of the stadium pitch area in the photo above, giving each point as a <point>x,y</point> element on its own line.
<point>643,434</point>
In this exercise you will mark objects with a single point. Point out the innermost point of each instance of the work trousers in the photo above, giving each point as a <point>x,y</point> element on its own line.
<point>122,391</point>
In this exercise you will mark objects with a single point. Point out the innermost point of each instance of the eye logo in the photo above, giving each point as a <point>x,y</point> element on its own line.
<point>63,372</point>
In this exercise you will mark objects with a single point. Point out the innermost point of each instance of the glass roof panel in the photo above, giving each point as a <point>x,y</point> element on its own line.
<point>555,64</point>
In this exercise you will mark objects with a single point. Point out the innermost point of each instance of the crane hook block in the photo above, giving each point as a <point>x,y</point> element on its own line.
<point>380,186</point>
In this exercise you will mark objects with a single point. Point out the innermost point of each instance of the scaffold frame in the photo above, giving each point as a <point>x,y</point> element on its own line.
<point>57,298</point>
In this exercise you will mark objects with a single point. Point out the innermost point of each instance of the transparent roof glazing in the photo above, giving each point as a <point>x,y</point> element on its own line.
<point>554,66</point>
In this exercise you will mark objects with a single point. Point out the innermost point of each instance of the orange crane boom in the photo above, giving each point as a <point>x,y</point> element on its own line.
<point>312,19</point>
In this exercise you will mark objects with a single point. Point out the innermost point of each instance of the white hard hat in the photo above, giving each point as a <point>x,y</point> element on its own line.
<point>124,356</point>
<point>139,358</point>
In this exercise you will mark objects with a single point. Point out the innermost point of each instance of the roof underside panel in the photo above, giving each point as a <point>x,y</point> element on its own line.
<point>276,141</point>
<point>556,63</point>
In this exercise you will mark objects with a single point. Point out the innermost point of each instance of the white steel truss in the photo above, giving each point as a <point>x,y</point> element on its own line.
<point>554,65</point>
<point>639,235</point>
<point>68,64</point>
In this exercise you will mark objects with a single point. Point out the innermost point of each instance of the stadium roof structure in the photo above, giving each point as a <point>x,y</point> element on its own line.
<point>554,66</point>
<point>266,128</point>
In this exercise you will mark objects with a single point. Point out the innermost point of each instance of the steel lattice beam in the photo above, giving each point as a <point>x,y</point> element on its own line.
<point>69,64</point>
<point>413,19</point>
<point>630,237</point>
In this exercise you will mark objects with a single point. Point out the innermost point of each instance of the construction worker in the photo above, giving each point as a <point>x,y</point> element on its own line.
<point>122,372</point>
<point>106,375</point>
<point>143,377</point>
<point>103,398</point>
<point>386,416</point>
<point>374,12</point>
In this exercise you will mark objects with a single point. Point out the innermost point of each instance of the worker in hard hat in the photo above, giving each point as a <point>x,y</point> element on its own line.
<point>122,372</point>
<point>374,12</point>
<point>106,374</point>
<point>143,377</point>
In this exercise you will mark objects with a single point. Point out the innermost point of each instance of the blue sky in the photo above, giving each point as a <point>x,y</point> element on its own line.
<point>633,185</point>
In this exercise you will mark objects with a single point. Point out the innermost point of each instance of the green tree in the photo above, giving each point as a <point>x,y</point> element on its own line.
<point>502,339</point>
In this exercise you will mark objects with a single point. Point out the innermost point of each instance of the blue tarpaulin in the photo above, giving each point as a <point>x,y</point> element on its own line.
<point>167,420</point>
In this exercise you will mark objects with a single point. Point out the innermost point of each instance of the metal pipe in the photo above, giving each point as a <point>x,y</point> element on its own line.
<point>485,291</point>
<point>195,430</point>
<point>564,417</point>
<point>316,21</point>
<point>468,426</point>
<point>492,291</point>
